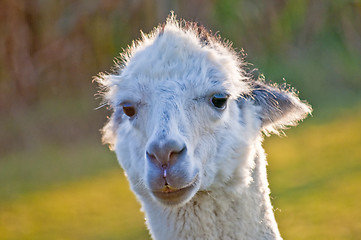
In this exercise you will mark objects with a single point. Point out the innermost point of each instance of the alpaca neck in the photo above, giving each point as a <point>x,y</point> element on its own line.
<point>223,213</point>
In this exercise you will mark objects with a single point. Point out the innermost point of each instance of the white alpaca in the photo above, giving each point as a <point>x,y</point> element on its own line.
<point>187,128</point>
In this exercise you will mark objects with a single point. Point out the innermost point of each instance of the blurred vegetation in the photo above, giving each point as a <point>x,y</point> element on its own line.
<point>57,181</point>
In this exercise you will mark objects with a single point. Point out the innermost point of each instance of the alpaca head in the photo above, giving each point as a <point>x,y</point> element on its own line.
<point>186,115</point>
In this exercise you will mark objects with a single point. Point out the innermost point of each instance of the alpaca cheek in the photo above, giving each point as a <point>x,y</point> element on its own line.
<point>129,155</point>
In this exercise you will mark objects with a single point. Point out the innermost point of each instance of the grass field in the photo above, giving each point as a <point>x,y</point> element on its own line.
<point>315,177</point>
<point>79,192</point>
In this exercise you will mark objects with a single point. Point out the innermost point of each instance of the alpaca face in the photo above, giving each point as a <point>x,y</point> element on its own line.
<point>186,118</point>
<point>173,105</point>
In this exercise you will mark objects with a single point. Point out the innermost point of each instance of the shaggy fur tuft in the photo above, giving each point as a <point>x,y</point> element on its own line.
<point>187,127</point>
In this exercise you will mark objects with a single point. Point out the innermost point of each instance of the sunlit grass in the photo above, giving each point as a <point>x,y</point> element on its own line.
<point>315,175</point>
<point>98,208</point>
<point>67,192</point>
<point>79,192</point>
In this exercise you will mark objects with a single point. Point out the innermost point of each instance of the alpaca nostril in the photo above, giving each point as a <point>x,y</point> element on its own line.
<point>174,154</point>
<point>151,156</point>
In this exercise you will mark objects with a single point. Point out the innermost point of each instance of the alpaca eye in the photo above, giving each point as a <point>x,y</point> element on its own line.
<point>219,100</point>
<point>129,109</point>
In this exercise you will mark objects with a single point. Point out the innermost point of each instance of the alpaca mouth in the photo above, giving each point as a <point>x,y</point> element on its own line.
<point>172,196</point>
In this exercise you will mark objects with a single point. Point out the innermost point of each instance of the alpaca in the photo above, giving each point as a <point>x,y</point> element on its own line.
<point>187,127</point>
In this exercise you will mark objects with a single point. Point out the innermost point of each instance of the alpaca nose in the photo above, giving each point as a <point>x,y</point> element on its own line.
<point>165,153</point>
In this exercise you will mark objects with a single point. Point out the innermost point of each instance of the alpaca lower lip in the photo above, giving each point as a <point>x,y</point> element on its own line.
<point>172,196</point>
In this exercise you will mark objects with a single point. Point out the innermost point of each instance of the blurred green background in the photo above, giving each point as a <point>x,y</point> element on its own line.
<point>58,182</point>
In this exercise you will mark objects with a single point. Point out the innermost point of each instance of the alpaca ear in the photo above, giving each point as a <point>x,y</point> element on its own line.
<point>278,107</point>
